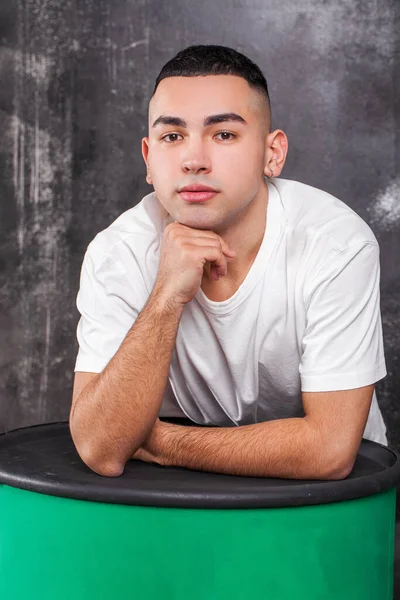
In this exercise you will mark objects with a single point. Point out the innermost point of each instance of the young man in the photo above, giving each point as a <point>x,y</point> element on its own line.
<point>229,297</point>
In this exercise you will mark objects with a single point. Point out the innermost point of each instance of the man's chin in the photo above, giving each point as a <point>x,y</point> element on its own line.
<point>197,223</point>
<point>202,222</point>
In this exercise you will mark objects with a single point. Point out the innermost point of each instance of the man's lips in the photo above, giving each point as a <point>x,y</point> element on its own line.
<point>197,193</point>
<point>197,196</point>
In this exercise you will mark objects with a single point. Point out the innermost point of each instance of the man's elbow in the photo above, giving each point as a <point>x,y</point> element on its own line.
<point>101,466</point>
<point>105,469</point>
<point>339,469</point>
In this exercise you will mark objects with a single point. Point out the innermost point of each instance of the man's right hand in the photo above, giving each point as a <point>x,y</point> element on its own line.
<point>184,254</point>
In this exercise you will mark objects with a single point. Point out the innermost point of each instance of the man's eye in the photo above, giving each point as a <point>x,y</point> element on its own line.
<point>168,136</point>
<point>226,133</point>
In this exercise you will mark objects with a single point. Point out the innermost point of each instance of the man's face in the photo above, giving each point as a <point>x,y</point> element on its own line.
<point>228,156</point>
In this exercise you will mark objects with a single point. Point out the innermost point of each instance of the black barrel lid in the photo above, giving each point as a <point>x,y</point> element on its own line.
<point>43,459</point>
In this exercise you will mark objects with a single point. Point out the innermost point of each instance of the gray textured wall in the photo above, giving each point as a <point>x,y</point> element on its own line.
<point>75,81</point>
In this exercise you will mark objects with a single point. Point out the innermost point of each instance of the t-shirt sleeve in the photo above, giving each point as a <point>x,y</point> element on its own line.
<point>109,305</point>
<point>343,341</point>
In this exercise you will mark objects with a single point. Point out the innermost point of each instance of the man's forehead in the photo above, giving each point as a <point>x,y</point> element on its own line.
<point>198,97</point>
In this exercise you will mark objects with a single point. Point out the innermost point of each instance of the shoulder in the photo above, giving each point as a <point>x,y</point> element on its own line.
<point>319,216</point>
<point>128,238</point>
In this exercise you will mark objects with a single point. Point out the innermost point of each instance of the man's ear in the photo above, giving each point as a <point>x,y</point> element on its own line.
<point>145,154</point>
<point>276,152</point>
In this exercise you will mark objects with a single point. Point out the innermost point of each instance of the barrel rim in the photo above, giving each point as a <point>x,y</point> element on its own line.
<point>201,489</point>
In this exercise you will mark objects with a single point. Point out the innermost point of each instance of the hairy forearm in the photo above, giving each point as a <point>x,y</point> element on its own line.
<point>116,410</point>
<point>286,448</point>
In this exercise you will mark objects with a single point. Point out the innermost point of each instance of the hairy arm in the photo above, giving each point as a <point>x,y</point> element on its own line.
<point>113,413</point>
<point>321,445</point>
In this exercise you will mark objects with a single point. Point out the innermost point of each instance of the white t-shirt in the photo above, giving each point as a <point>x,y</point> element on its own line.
<point>306,317</point>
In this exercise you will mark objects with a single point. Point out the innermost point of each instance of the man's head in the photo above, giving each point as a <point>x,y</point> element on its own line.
<point>210,124</point>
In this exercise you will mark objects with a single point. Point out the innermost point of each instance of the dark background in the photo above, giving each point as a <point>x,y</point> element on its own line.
<point>75,80</point>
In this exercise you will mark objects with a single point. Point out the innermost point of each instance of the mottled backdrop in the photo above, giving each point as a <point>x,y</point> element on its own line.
<point>76,76</point>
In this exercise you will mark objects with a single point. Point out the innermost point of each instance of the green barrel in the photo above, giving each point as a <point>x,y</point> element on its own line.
<point>163,533</point>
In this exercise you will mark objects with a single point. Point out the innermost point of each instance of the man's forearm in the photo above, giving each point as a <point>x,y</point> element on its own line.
<point>286,448</point>
<point>116,410</point>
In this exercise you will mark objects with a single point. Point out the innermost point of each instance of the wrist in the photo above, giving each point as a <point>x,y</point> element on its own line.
<point>158,442</point>
<point>166,303</point>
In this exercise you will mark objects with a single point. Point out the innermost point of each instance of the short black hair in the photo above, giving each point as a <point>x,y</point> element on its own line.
<point>214,60</point>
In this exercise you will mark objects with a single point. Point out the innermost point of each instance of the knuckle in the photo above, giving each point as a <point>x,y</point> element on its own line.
<point>218,257</point>
<point>185,248</point>
<point>216,242</point>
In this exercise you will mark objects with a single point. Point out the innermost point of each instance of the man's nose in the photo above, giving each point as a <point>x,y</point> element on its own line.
<point>196,159</point>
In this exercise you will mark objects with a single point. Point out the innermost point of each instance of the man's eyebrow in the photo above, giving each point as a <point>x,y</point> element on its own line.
<point>211,120</point>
